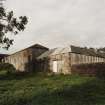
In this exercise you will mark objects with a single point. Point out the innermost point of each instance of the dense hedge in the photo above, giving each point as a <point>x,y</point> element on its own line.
<point>7,67</point>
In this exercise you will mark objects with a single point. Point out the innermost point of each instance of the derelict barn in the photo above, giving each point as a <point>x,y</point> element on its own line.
<point>57,60</point>
<point>61,60</point>
<point>25,60</point>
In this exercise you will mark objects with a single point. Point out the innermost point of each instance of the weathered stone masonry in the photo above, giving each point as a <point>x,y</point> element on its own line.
<point>57,60</point>
<point>25,60</point>
<point>63,60</point>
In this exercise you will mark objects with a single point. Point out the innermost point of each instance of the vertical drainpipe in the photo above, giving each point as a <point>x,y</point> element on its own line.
<point>70,62</point>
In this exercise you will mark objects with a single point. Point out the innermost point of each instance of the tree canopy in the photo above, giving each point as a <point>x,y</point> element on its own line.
<point>9,23</point>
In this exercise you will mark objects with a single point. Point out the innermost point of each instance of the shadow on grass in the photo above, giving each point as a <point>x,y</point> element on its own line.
<point>89,93</point>
<point>16,76</point>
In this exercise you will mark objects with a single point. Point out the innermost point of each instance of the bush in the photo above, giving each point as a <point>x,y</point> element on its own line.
<point>7,67</point>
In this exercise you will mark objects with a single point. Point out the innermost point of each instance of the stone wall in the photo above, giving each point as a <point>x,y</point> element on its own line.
<point>88,69</point>
<point>63,63</point>
<point>25,60</point>
<point>85,64</point>
<point>67,63</point>
<point>85,59</point>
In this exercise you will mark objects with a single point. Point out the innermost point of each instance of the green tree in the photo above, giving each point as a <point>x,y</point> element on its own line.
<point>9,23</point>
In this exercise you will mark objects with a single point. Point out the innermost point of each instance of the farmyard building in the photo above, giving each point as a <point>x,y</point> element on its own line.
<point>57,60</point>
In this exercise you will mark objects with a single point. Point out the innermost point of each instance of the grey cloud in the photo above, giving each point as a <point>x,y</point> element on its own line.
<point>60,22</point>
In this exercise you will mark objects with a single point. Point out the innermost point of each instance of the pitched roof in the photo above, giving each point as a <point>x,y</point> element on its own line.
<point>55,51</point>
<point>46,54</point>
<point>72,49</point>
<point>33,46</point>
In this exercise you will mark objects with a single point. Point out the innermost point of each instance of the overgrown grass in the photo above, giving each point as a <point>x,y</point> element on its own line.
<point>40,89</point>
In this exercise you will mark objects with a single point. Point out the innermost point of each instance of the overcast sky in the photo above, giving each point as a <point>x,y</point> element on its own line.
<point>55,23</point>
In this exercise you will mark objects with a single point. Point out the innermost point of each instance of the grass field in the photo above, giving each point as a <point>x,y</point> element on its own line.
<point>38,89</point>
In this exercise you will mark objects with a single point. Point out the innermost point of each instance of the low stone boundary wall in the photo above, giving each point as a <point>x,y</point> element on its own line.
<point>89,69</point>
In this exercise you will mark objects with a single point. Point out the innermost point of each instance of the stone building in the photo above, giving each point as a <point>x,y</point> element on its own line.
<point>57,60</point>
<point>25,60</point>
<point>61,60</point>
